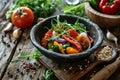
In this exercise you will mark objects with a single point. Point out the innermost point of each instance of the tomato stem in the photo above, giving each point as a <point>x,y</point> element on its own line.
<point>20,12</point>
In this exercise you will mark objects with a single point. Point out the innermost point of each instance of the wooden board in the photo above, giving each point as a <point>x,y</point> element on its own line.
<point>9,49</point>
<point>16,70</point>
<point>75,70</point>
<point>7,43</point>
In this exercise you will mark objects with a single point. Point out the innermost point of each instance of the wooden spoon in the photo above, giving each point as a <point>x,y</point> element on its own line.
<point>107,71</point>
<point>97,61</point>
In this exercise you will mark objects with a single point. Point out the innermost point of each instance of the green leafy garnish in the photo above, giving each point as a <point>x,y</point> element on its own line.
<point>62,28</point>
<point>41,8</point>
<point>74,10</point>
<point>34,55</point>
<point>48,75</point>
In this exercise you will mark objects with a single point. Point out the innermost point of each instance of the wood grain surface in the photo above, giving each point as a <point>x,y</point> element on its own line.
<point>9,49</point>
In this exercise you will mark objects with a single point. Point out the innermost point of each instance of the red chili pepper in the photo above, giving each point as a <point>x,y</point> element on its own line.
<point>44,40</point>
<point>109,7</point>
<point>73,41</point>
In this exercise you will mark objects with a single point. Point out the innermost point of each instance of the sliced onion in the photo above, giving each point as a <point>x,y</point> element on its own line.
<point>53,33</point>
<point>61,40</point>
<point>86,36</point>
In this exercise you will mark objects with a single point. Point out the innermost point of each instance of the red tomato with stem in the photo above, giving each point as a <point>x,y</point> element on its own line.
<point>22,17</point>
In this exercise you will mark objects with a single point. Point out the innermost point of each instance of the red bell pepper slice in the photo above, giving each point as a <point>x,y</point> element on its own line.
<point>44,40</point>
<point>73,33</point>
<point>73,41</point>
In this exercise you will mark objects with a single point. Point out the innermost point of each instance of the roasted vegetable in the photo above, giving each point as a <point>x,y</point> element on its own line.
<point>64,38</point>
<point>59,47</point>
<point>71,50</point>
<point>46,36</point>
<point>73,41</point>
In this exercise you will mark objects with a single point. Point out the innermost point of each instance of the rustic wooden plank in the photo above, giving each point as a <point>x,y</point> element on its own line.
<point>16,69</point>
<point>5,6</point>
<point>7,47</point>
<point>66,71</point>
<point>7,43</point>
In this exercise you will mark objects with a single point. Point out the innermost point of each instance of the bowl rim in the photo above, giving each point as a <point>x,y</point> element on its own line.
<point>89,8</point>
<point>81,54</point>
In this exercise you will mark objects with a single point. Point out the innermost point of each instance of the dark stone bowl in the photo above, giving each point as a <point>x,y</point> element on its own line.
<point>38,31</point>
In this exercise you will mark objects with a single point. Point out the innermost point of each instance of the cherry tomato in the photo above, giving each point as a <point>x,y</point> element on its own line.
<point>73,33</point>
<point>22,17</point>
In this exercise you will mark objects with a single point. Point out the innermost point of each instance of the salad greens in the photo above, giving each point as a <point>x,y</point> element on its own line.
<point>63,27</point>
<point>41,8</point>
<point>66,37</point>
<point>34,55</point>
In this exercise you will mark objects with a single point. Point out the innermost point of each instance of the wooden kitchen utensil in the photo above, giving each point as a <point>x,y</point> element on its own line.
<point>114,54</point>
<point>107,71</point>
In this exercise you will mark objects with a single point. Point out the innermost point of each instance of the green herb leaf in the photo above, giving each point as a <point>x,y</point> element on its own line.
<point>48,75</point>
<point>74,10</point>
<point>59,2</point>
<point>34,55</point>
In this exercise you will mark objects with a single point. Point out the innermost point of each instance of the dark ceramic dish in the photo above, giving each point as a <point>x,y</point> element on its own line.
<point>38,31</point>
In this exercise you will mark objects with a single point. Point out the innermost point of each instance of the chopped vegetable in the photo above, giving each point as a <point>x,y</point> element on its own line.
<point>46,36</point>
<point>55,48</point>
<point>59,47</point>
<point>73,41</point>
<point>63,37</point>
<point>73,33</point>
<point>84,39</point>
<point>71,50</point>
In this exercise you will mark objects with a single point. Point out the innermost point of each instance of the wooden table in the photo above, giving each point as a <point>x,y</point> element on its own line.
<point>9,49</point>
